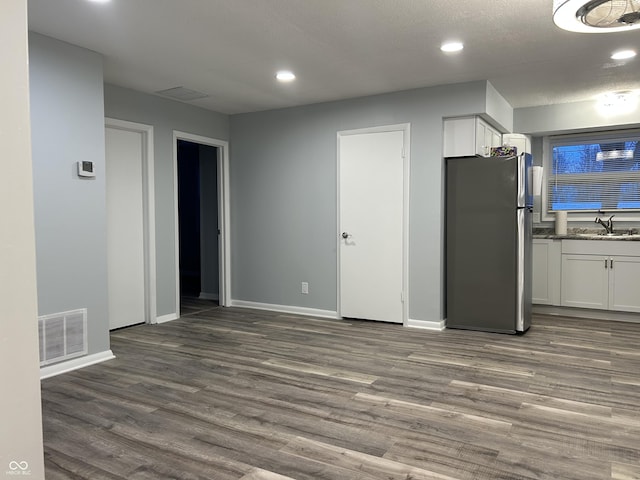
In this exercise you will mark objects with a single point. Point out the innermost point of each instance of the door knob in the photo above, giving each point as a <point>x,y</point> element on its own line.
<point>345,235</point>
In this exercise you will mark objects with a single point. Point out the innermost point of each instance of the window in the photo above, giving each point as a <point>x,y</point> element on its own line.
<point>594,173</point>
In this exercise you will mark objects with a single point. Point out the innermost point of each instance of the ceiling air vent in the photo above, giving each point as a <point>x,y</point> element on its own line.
<point>598,16</point>
<point>182,94</point>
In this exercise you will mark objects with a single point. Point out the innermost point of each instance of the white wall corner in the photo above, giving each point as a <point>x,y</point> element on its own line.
<point>426,324</point>
<point>75,364</point>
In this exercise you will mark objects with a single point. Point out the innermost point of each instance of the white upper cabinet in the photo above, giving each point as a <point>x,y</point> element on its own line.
<point>469,136</point>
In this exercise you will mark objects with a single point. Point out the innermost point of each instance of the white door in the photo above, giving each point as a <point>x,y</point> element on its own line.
<point>371,189</point>
<point>125,227</point>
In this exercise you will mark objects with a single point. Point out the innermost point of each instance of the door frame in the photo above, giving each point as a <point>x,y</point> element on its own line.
<point>224,217</point>
<point>148,211</point>
<point>406,129</point>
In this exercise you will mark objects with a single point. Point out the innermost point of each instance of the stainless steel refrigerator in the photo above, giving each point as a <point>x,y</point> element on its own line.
<point>488,243</point>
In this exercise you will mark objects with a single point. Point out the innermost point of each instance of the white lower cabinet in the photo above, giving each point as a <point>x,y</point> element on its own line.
<point>546,272</point>
<point>624,284</point>
<point>585,281</point>
<point>601,275</point>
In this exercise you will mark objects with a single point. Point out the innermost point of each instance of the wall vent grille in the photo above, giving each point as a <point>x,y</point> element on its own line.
<point>62,336</point>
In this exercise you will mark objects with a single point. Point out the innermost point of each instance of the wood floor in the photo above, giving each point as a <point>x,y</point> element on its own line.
<point>227,393</point>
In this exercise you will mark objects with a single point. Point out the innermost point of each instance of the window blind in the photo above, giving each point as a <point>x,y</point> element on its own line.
<point>594,175</point>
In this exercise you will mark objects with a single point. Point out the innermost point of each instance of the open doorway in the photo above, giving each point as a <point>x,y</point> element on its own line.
<point>198,221</point>
<point>202,216</point>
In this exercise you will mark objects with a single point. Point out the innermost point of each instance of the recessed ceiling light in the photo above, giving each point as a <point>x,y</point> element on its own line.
<point>285,76</point>
<point>623,54</point>
<point>100,1</point>
<point>451,47</point>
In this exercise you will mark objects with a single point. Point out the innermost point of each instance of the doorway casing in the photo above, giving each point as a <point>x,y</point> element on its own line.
<point>224,252</point>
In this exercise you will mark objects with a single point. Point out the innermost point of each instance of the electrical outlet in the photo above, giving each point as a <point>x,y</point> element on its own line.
<point>304,288</point>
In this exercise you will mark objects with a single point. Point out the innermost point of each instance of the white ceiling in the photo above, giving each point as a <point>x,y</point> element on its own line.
<point>231,49</point>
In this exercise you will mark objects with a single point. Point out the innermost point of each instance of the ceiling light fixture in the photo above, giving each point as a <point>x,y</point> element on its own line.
<point>100,1</point>
<point>452,47</point>
<point>597,16</point>
<point>623,54</point>
<point>616,103</point>
<point>285,76</point>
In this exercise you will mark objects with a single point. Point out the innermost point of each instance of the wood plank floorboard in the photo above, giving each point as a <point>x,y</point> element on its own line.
<point>229,393</point>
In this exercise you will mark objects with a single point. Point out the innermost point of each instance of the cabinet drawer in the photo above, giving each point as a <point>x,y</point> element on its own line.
<point>601,247</point>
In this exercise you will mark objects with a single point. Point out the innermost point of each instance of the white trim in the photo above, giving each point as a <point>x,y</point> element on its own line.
<point>167,318</point>
<point>285,309</point>
<point>426,324</point>
<point>75,364</point>
<point>406,129</point>
<point>405,224</point>
<point>224,215</point>
<point>209,296</point>
<point>149,210</point>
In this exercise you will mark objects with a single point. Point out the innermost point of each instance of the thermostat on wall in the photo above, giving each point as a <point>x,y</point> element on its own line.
<point>85,169</point>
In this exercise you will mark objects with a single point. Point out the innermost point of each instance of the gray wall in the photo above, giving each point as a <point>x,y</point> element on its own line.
<point>283,194</point>
<point>165,116</point>
<point>67,121</point>
<point>569,118</point>
<point>209,284</point>
<point>20,409</point>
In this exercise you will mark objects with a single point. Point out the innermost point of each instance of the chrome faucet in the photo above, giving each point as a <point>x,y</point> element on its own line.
<point>608,225</point>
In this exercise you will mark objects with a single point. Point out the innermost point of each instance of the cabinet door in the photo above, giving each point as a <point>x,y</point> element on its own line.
<point>624,274</point>
<point>482,146</point>
<point>459,139</point>
<point>540,264</point>
<point>545,263</point>
<point>585,281</point>
<point>486,137</point>
<point>496,138</point>
<point>491,138</point>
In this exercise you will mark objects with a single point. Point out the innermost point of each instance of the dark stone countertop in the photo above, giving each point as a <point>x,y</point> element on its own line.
<point>586,234</point>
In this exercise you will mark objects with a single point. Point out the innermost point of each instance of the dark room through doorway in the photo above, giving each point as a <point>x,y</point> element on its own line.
<point>198,220</point>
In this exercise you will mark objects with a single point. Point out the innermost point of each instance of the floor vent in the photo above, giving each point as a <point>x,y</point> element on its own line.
<point>62,336</point>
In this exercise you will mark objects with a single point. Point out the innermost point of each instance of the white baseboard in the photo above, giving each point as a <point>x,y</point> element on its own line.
<point>426,324</point>
<point>75,364</point>
<point>314,312</point>
<point>209,296</point>
<point>586,313</point>
<point>166,318</point>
